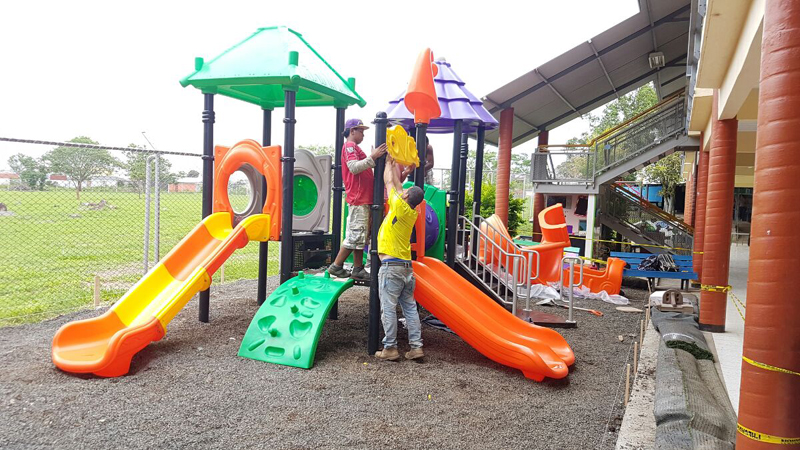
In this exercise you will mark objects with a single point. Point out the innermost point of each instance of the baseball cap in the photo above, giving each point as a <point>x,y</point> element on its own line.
<point>355,123</point>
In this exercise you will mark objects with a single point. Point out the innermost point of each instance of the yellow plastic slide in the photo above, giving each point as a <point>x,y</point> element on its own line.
<point>105,345</point>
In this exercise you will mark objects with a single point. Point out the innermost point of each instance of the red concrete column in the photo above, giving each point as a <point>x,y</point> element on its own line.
<point>719,219</point>
<point>504,164</point>
<point>769,401</point>
<point>538,199</point>
<point>700,209</point>
<point>691,192</point>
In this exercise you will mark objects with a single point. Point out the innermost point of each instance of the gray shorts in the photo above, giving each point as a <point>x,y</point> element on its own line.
<point>357,231</point>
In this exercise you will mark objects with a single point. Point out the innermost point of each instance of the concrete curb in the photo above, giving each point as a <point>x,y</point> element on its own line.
<point>638,429</point>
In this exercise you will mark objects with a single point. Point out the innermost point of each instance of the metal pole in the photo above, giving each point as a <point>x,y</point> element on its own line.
<point>515,276</point>
<point>338,191</point>
<point>452,217</point>
<point>208,182</point>
<point>570,292</point>
<point>422,149</point>
<point>147,176</point>
<point>377,217</point>
<point>462,176</point>
<point>157,230</point>
<point>263,247</point>
<point>476,197</point>
<point>287,209</point>
<point>476,193</point>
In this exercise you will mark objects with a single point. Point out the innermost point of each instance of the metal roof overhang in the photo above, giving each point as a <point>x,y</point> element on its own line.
<point>601,69</point>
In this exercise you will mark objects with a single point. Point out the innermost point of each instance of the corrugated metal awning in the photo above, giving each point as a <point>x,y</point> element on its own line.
<point>609,65</point>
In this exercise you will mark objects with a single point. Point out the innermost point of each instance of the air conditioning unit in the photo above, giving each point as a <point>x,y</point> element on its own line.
<point>656,60</point>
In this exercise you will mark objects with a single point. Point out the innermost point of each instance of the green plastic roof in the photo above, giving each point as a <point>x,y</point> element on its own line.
<point>259,69</point>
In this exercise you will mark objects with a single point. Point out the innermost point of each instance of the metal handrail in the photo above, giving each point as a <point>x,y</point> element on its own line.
<point>615,146</point>
<point>571,260</point>
<point>625,209</point>
<point>667,217</point>
<point>512,264</point>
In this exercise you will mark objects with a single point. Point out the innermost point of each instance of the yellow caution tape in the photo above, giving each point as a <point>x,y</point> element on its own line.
<point>735,301</point>
<point>763,437</point>
<point>761,365</point>
<point>726,289</point>
<point>632,243</point>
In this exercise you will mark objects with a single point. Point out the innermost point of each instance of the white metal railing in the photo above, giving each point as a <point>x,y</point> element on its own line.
<point>500,271</point>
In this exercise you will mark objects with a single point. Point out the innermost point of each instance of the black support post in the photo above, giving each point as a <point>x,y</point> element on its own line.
<point>476,196</point>
<point>422,149</point>
<point>377,217</point>
<point>462,174</point>
<point>263,247</point>
<point>476,192</point>
<point>208,182</point>
<point>452,212</point>
<point>287,210</point>
<point>338,191</point>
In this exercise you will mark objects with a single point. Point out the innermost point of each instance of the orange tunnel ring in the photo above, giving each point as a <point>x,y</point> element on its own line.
<point>267,161</point>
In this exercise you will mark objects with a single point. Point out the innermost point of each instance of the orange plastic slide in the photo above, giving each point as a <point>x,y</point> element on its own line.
<point>538,352</point>
<point>551,250</point>
<point>105,345</point>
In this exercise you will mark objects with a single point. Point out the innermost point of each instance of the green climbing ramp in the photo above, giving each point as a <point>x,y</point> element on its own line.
<point>286,328</point>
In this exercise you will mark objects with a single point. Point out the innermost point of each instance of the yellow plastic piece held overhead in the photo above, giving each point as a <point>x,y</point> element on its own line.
<point>402,147</point>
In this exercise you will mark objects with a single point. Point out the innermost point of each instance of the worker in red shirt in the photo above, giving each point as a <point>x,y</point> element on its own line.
<point>358,183</point>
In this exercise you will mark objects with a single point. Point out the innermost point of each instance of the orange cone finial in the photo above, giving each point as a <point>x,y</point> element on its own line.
<point>421,98</point>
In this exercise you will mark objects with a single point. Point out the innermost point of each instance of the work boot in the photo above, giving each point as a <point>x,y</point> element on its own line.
<point>388,354</point>
<point>338,271</point>
<point>359,274</point>
<point>415,353</point>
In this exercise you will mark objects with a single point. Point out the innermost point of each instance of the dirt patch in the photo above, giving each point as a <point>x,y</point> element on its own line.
<point>192,390</point>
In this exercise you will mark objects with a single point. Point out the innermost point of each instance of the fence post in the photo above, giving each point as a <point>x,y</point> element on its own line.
<point>146,258</point>
<point>157,227</point>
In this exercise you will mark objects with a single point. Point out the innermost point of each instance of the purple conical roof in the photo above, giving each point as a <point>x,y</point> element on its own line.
<point>456,103</point>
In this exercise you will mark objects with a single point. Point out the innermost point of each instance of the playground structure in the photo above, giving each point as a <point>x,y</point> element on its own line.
<point>287,326</point>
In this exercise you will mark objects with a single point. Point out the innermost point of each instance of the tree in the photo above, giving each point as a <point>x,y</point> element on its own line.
<point>136,166</point>
<point>667,173</point>
<point>319,150</point>
<point>192,174</point>
<point>32,171</point>
<point>515,207</point>
<point>81,164</point>
<point>615,113</point>
<point>520,162</point>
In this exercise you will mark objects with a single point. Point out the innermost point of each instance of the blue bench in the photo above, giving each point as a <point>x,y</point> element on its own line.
<point>684,263</point>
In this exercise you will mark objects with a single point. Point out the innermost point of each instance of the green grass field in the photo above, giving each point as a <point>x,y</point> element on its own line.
<point>53,246</point>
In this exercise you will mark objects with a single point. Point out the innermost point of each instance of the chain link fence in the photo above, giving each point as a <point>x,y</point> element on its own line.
<point>73,228</point>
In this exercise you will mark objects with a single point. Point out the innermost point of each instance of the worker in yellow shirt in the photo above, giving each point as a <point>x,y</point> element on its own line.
<point>396,277</point>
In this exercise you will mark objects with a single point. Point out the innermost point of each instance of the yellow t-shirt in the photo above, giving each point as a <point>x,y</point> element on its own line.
<point>394,236</point>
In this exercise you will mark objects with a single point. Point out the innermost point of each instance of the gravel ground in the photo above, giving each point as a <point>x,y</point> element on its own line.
<point>191,390</point>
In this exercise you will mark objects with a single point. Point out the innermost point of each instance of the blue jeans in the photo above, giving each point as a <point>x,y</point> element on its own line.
<point>396,285</point>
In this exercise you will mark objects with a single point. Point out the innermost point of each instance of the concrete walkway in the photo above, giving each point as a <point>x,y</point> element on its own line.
<point>729,344</point>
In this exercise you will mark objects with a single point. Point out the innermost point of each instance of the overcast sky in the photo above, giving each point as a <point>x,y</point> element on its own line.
<point>109,70</point>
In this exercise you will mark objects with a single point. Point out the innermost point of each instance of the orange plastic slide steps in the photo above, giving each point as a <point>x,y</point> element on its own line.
<point>105,345</point>
<point>538,352</point>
